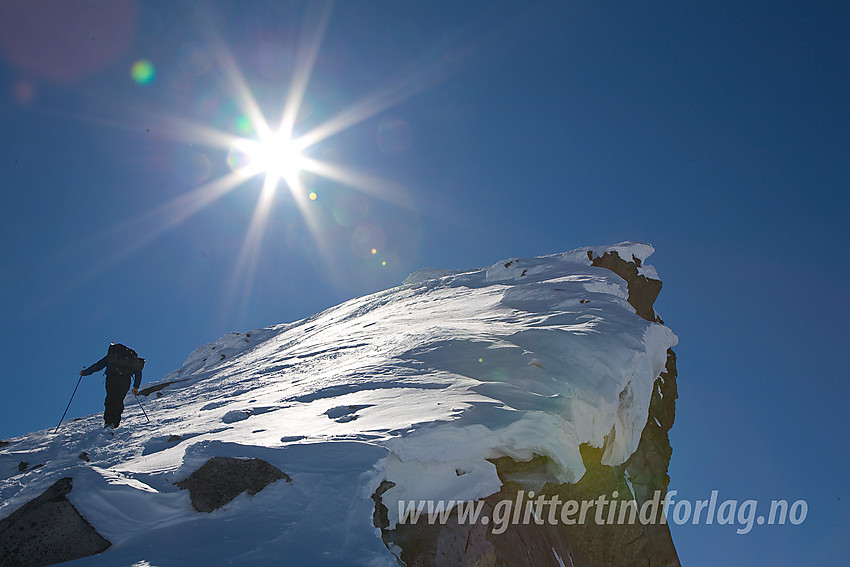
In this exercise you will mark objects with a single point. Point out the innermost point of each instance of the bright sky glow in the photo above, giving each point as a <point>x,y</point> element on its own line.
<point>273,151</point>
<point>275,155</point>
<point>278,154</point>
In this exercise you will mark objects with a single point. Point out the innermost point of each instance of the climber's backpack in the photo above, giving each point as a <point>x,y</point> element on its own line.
<point>123,360</point>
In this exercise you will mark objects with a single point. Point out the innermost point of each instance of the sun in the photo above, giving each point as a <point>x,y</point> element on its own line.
<point>282,152</point>
<point>274,154</point>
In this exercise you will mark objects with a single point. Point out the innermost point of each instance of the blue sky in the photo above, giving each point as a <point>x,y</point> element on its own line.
<point>467,133</point>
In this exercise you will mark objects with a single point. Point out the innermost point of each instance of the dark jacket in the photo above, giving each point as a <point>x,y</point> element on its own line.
<point>101,364</point>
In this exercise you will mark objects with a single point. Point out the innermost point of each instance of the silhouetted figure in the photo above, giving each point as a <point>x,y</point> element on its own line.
<point>121,363</point>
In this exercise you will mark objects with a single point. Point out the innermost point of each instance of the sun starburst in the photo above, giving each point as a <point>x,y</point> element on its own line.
<point>274,155</point>
<point>274,151</point>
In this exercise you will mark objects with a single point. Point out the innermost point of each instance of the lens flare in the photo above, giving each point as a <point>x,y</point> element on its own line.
<point>366,238</point>
<point>24,91</point>
<point>243,124</point>
<point>143,72</point>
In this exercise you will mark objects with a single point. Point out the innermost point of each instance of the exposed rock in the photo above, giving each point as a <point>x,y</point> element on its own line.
<point>647,467</point>
<point>642,290</point>
<point>174,439</point>
<point>48,530</point>
<point>588,544</point>
<point>236,415</point>
<point>84,456</point>
<point>3,443</point>
<point>221,479</point>
<point>157,387</point>
<point>22,466</point>
<point>380,519</point>
<point>525,542</point>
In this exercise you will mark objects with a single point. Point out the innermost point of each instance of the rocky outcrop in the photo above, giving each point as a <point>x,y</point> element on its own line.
<point>642,290</point>
<point>221,479</point>
<point>578,544</point>
<point>647,467</point>
<point>157,387</point>
<point>48,530</point>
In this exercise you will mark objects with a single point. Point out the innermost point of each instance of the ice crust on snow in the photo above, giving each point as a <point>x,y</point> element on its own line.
<point>419,385</point>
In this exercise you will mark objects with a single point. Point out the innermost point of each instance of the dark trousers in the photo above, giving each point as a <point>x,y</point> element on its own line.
<point>117,387</point>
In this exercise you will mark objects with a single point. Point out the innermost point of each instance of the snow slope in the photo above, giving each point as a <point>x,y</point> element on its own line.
<point>419,385</point>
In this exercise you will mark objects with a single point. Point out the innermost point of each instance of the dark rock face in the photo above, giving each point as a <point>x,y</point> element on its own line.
<point>221,479</point>
<point>642,290</point>
<point>589,544</point>
<point>157,387</point>
<point>647,467</point>
<point>48,530</point>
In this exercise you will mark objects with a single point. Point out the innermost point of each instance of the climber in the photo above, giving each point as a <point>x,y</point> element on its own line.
<point>121,364</point>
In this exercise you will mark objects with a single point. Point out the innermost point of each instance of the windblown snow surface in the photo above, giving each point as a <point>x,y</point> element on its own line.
<point>419,385</point>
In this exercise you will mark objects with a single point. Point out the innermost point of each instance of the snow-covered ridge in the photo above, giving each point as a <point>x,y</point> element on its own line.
<point>419,385</point>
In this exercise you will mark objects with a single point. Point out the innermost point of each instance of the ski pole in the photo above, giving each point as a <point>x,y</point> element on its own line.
<point>141,407</point>
<point>69,404</point>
